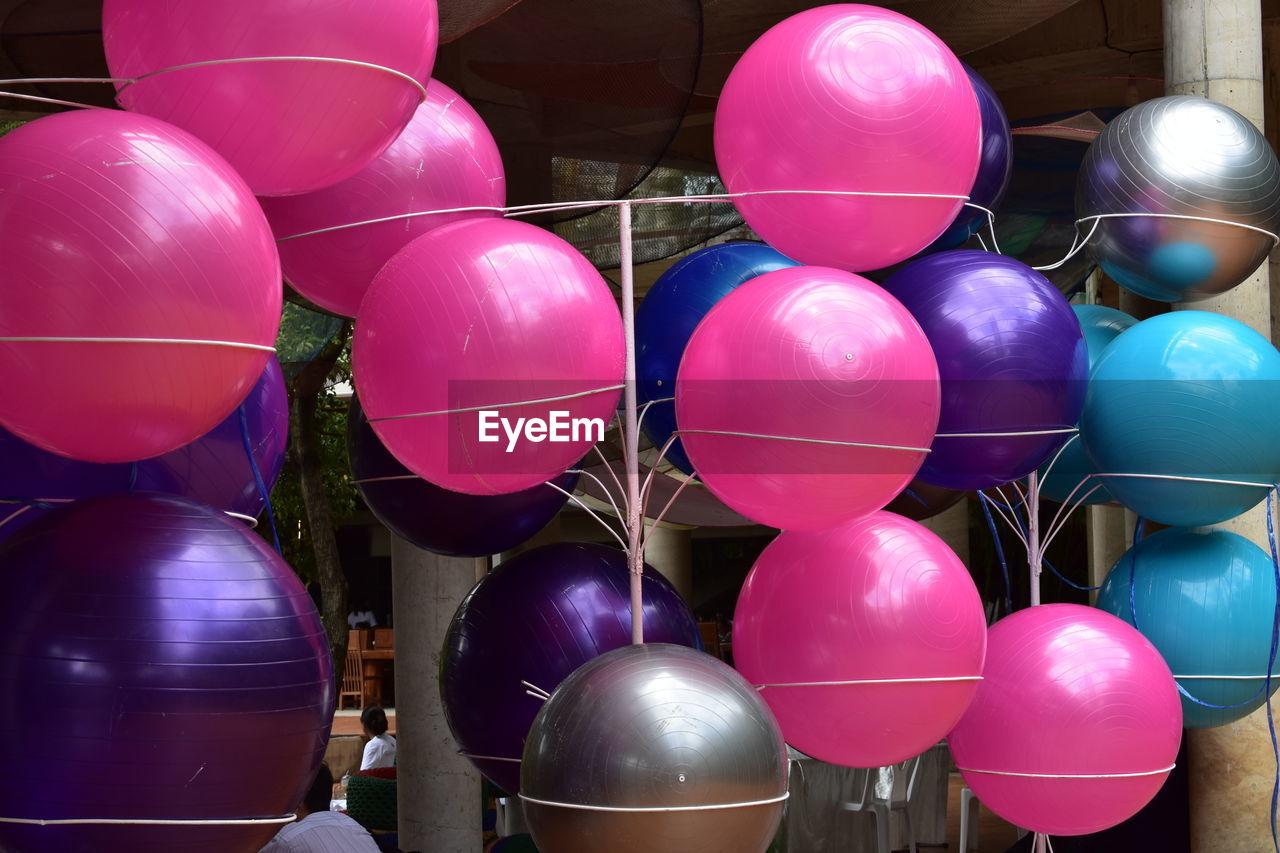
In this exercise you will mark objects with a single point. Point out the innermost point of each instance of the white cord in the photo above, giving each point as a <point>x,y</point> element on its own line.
<point>709,807</point>
<point>488,406</point>
<point>871,681</point>
<point>1069,775</point>
<point>248,821</point>
<point>88,340</point>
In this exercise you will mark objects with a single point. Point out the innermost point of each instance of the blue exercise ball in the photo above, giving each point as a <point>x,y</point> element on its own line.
<point>1206,600</point>
<point>1068,479</point>
<point>1185,394</point>
<point>437,519</point>
<point>995,166</point>
<point>671,310</point>
<point>1012,361</point>
<point>536,618</point>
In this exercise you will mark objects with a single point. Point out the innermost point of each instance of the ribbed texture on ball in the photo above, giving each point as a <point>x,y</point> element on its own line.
<point>848,97</point>
<point>810,353</point>
<point>537,618</point>
<point>671,310</point>
<point>436,519</point>
<point>654,726</point>
<point>880,598</point>
<point>178,667</point>
<point>1068,689</point>
<point>286,126</point>
<point>1206,600</point>
<point>486,313</point>
<point>1188,156</point>
<point>444,159</point>
<point>1011,357</point>
<point>1189,394</point>
<point>122,226</point>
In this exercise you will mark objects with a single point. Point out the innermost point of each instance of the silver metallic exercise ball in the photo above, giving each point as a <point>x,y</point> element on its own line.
<point>651,748</point>
<point>1180,156</point>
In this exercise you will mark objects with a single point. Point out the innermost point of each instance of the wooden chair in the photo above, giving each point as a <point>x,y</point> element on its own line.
<point>352,679</point>
<point>384,638</point>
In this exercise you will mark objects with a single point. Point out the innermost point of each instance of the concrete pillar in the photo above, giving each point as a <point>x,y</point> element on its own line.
<point>1213,48</point>
<point>952,527</point>
<point>1110,535</point>
<point>438,791</point>
<point>670,551</point>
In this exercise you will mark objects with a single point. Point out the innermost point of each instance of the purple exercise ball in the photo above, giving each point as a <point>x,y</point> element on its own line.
<point>995,167</point>
<point>160,663</point>
<point>214,469</point>
<point>437,519</point>
<point>1012,360</point>
<point>537,618</point>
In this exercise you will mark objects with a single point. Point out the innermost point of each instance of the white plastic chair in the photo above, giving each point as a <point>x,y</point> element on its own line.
<point>888,789</point>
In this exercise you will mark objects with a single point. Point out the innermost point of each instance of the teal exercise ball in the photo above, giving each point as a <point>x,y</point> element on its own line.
<point>1066,479</point>
<point>1206,600</point>
<point>1187,395</point>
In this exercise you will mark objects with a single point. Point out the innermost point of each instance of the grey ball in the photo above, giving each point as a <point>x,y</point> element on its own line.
<point>654,748</point>
<point>1186,156</point>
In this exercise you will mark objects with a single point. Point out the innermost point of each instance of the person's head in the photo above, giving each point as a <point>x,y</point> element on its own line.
<point>321,792</point>
<point>374,720</point>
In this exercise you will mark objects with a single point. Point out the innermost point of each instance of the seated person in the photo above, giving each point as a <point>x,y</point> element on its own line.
<point>318,830</point>
<point>380,751</point>
<point>361,616</point>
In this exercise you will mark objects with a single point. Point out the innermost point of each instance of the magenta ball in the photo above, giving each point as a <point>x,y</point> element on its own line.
<point>1075,725</point>
<point>1013,362</point>
<point>471,336</point>
<point>445,159</point>
<point>287,125</point>
<point>215,468</point>
<point>161,663</point>
<point>881,599</point>
<point>807,353</point>
<point>145,271</point>
<point>848,97</point>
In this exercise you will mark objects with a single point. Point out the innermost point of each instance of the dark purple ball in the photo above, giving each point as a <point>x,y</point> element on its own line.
<point>1011,357</point>
<point>159,662</point>
<point>537,618</point>
<point>213,469</point>
<point>995,167</point>
<point>921,500</point>
<point>440,520</point>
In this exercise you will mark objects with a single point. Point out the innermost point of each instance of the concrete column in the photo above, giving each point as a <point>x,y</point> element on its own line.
<point>1213,48</point>
<point>952,527</point>
<point>670,551</point>
<point>438,790</point>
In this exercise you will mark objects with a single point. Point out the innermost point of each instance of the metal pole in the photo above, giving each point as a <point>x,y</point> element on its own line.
<point>1034,558</point>
<point>630,432</point>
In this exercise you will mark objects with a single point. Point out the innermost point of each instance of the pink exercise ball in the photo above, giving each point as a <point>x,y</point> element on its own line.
<point>1075,725</point>
<point>287,125</point>
<point>445,159</point>
<point>848,98</point>
<point>140,291</point>
<point>881,599</point>
<point>816,354</point>
<point>477,332</point>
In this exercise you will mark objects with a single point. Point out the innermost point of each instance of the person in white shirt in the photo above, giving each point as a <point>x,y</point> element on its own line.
<point>318,830</point>
<point>380,751</point>
<point>361,616</point>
